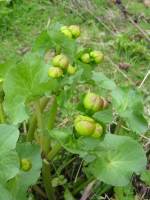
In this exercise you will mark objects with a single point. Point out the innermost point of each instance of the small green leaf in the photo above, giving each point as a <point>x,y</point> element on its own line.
<point>145,176</point>
<point>68,195</point>
<point>124,193</point>
<point>128,103</point>
<point>60,41</point>
<point>42,43</point>
<point>82,146</point>
<point>53,38</point>
<point>104,116</point>
<point>102,81</point>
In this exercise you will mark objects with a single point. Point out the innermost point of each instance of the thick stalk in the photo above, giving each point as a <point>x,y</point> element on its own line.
<point>39,116</point>
<point>32,127</point>
<point>42,134</point>
<point>47,180</point>
<point>52,113</point>
<point>33,121</point>
<point>51,120</point>
<point>45,143</point>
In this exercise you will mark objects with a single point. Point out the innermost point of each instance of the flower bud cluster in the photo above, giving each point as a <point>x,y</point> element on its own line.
<point>86,126</point>
<point>92,57</point>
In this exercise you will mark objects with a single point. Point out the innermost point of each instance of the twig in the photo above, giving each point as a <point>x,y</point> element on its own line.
<point>38,190</point>
<point>116,66</point>
<point>48,23</point>
<point>139,28</point>
<point>25,127</point>
<point>91,12</point>
<point>127,16</point>
<point>88,190</point>
<point>106,196</point>
<point>143,81</point>
<point>78,172</point>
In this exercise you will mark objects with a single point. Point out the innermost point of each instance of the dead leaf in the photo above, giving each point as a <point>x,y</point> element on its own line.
<point>147,3</point>
<point>124,66</point>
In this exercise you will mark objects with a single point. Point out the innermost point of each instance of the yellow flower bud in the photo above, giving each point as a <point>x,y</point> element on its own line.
<point>60,61</point>
<point>55,72</point>
<point>93,102</point>
<point>75,30</point>
<point>97,56</point>
<point>71,70</point>
<point>25,164</point>
<point>84,125</point>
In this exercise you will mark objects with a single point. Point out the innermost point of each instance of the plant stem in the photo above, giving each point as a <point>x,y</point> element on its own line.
<point>47,180</point>
<point>33,121</point>
<point>65,165</point>
<point>39,115</point>
<point>119,124</point>
<point>51,120</point>
<point>82,185</point>
<point>39,191</point>
<point>36,122</point>
<point>54,152</point>
<point>42,134</point>
<point>105,189</point>
<point>52,113</point>
<point>32,127</point>
<point>45,145</point>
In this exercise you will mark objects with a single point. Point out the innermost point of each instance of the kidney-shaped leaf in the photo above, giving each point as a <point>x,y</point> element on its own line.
<point>122,156</point>
<point>19,185</point>
<point>26,81</point>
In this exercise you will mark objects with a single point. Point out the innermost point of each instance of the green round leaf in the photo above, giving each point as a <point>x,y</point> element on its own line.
<point>121,156</point>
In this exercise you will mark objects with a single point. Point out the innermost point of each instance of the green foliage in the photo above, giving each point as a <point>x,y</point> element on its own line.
<point>107,159</point>
<point>21,86</point>
<point>124,193</point>
<point>19,185</point>
<point>68,195</point>
<point>9,164</point>
<point>145,176</point>
<point>127,102</point>
<point>116,160</point>
<point>37,104</point>
<point>129,105</point>
<point>129,47</point>
<point>104,116</point>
